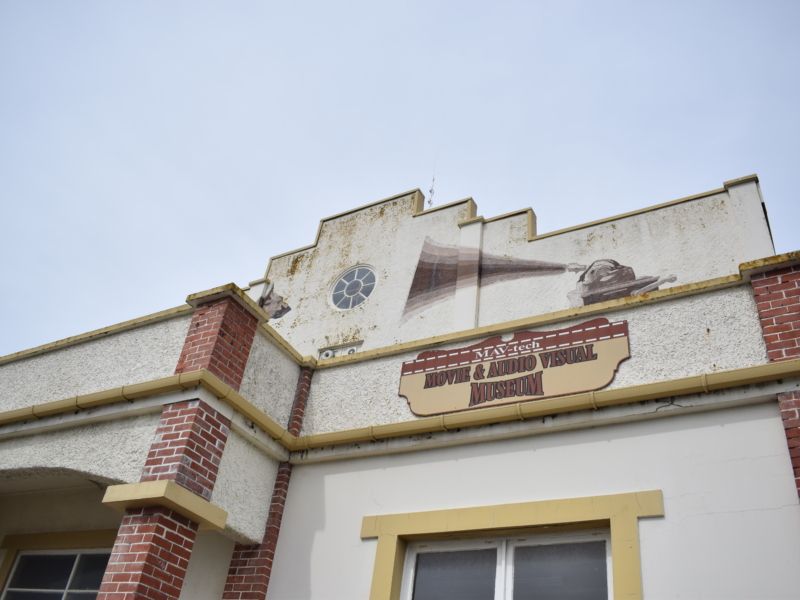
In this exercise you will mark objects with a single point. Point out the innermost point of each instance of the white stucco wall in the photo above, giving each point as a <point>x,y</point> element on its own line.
<point>110,451</point>
<point>694,241</point>
<point>207,572</point>
<point>731,509</point>
<point>388,238</point>
<point>124,358</point>
<point>686,336</point>
<point>270,380</point>
<point>244,489</point>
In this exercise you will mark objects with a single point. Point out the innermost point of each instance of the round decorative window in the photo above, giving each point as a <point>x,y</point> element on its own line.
<point>353,287</point>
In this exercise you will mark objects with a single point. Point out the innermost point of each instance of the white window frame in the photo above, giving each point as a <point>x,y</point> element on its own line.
<point>504,575</point>
<point>77,552</point>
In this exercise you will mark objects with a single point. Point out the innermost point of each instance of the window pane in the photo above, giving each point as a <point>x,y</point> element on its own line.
<point>43,571</point>
<point>33,595</point>
<point>89,572</point>
<point>462,575</point>
<point>561,572</point>
<point>82,596</point>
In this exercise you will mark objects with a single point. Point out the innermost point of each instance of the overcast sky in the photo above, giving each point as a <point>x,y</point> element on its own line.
<point>150,150</point>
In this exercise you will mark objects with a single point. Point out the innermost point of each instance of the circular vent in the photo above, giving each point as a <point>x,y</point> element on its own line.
<point>353,287</point>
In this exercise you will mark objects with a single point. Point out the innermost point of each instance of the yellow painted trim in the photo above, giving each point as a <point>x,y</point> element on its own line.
<point>621,511</point>
<point>417,210</point>
<point>512,412</point>
<point>164,315</point>
<point>529,215</point>
<point>276,338</point>
<point>169,494</point>
<point>740,180</point>
<point>771,263</point>
<point>61,540</point>
<point>632,213</point>
<point>539,408</point>
<point>472,208</point>
<point>551,406</point>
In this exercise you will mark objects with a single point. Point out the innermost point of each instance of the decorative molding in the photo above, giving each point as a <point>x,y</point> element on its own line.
<point>620,512</point>
<point>169,494</point>
<point>512,412</point>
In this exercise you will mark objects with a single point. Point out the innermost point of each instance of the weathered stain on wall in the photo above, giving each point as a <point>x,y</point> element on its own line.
<point>686,336</point>
<point>386,237</point>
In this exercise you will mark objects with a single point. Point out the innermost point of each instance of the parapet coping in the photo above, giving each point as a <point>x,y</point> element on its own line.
<point>165,492</point>
<point>418,209</point>
<point>472,208</point>
<point>696,384</point>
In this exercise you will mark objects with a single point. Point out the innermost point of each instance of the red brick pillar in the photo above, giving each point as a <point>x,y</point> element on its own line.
<point>219,340</point>
<point>251,566</point>
<point>790,413</point>
<point>154,544</point>
<point>777,295</point>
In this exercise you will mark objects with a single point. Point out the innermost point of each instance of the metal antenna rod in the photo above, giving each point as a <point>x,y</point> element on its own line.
<point>433,179</point>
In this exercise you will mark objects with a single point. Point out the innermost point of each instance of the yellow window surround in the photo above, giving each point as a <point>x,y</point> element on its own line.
<point>619,512</point>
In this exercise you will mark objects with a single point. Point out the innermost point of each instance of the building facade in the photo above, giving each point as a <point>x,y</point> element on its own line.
<point>429,404</point>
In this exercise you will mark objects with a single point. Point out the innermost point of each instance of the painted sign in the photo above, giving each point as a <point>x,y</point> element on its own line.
<point>529,366</point>
<point>442,269</point>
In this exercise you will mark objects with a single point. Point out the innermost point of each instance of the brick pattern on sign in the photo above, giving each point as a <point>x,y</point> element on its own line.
<point>219,339</point>
<point>789,403</point>
<point>251,566</point>
<point>777,295</point>
<point>188,447</point>
<point>150,556</point>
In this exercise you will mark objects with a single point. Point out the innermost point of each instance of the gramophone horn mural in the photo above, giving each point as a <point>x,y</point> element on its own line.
<point>442,269</point>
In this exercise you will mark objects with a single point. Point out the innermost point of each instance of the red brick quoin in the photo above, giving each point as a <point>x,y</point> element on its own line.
<point>790,412</point>
<point>154,544</point>
<point>219,339</point>
<point>251,566</point>
<point>150,556</point>
<point>777,295</point>
<point>188,447</point>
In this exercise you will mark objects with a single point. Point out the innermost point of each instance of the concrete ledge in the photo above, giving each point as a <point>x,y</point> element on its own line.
<point>170,495</point>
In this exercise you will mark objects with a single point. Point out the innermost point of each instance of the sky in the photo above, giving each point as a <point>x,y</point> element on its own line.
<point>151,150</point>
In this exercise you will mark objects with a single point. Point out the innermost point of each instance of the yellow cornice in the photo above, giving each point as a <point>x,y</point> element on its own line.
<point>169,494</point>
<point>696,384</point>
